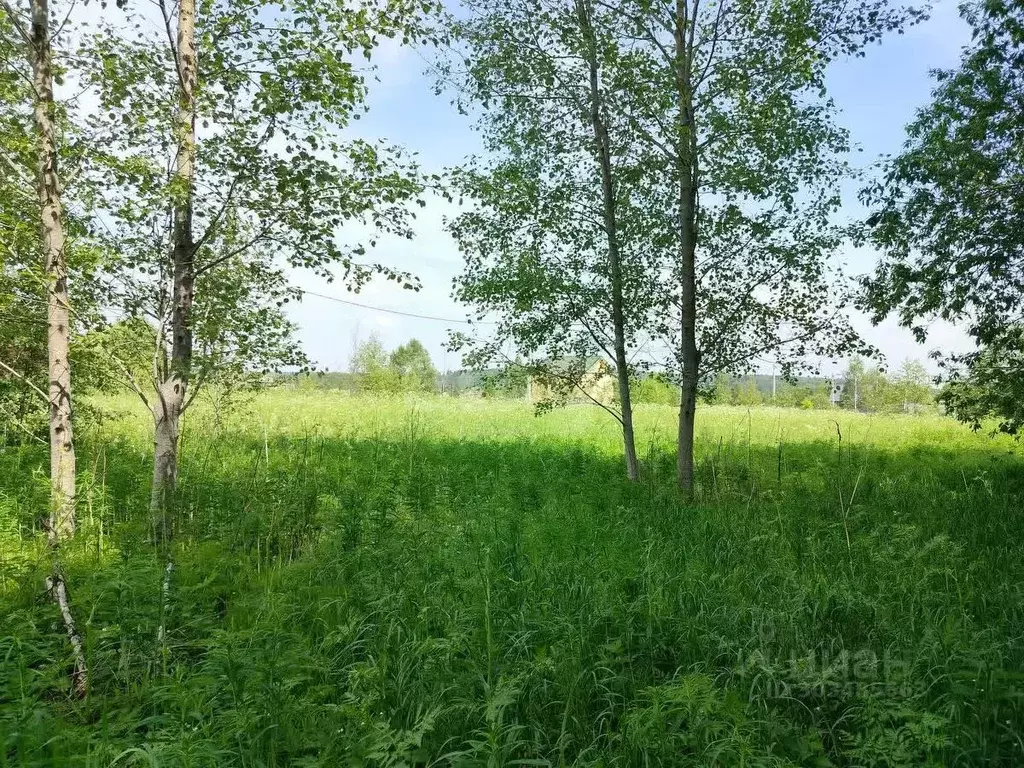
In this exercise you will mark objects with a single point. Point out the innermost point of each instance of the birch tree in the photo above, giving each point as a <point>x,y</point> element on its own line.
<point>34,29</point>
<point>35,32</point>
<point>223,149</point>
<point>546,242</point>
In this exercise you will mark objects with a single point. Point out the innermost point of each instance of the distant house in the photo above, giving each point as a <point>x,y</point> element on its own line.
<point>573,380</point>
<point>835,392</point>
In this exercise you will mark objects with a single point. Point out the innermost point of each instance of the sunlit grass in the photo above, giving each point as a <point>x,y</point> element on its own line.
<point>442,581</point>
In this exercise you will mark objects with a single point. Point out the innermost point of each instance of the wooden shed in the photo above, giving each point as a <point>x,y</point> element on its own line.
<point>573,380</point>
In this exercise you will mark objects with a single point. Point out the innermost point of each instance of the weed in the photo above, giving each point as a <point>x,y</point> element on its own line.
<point>453,582</point>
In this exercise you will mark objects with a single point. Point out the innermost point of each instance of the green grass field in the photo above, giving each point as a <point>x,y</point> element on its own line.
<point>458,582</point>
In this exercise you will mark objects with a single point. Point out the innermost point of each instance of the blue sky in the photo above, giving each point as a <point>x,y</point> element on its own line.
<point>877,95</point>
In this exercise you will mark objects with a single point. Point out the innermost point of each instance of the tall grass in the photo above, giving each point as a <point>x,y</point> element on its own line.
<point>453,582</point>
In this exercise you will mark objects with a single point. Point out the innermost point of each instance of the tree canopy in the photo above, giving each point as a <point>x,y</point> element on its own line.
<point>947,212</point>
<point>408,368</point>
<point>415,370</point>
<point>697,142</point>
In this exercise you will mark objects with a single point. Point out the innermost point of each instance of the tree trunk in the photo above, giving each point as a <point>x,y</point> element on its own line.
<point>166,423</point>
<point>61,520</point>
<point>171,394</point>
<point>57,587</point>
<point>603,146</point>
<point>687,170</point>
<point>688,344</point>
<point>684,458</point>
<point>629,441</point>
<point>60,523</point>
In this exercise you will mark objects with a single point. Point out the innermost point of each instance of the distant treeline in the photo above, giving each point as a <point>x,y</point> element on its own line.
<point>865,389</point>
<point>461,383</point>
<point>908,389</point>
<point>408,368</point>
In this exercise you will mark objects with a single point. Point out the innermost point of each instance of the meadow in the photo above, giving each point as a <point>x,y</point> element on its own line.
<point>373,582</point>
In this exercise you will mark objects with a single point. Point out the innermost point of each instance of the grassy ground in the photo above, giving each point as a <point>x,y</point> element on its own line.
<point>364,582</point>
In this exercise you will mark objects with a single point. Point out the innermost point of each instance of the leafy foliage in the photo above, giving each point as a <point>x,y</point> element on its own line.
<point>22,279</point>
<point>461,584</point>
<point>275,185</point>
<point>22,298</point>
<point>547,238</point>
<point>416,372</point>
<point>655,389</point>
<point>407,369</point>
<point>988,388</point>
<point>370,365</point>
<point>725,159</point>
<point>870,389</point>
<point>756,141</point>
<point>946,213</point>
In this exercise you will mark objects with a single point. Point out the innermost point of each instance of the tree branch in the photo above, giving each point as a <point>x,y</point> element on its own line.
<point>19,26</point>
<point>18,423</point>
<point>25,380</point>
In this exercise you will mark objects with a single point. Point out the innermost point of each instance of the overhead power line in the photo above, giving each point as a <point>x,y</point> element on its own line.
<point>304,292</point>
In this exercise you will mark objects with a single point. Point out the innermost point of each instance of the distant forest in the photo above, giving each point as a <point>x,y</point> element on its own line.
<point>859,388</point>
